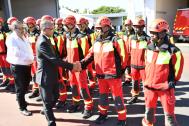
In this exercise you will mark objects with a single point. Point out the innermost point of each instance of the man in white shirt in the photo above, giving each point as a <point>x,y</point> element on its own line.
<point>20,56</point>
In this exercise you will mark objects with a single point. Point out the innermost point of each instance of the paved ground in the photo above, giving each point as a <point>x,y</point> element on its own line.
<point>10,116</point>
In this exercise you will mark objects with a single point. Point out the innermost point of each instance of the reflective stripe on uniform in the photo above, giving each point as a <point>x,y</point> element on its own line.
<point>142,44</point>
<point>83,44</point>
<point>1,37</point>
<point>32,39</point>
<point>73,44</point>
<point>103,109</point>
<point>149,55</point>
<point>122,111</point>
<point>163,58</point>
<point>76,100</point>
<point>92,38</point>
<point>121,45</point>
<point>107,47</point>
<point>177,64</point>
<point>97,47</point>
<point>88,102</point>
<point>63,94</point>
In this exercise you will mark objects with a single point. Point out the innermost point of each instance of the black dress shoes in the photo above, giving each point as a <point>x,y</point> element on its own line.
<point>26,112</point>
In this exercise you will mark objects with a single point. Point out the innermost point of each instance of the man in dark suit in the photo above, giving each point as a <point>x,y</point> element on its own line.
<point>47,71</point>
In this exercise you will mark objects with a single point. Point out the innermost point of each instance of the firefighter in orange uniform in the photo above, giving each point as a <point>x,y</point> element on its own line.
<point>8,79</point>
<point>138,44</point>
<point>86,36</point>
<point>76,50</point>
<point>60,41</point>
<point>3,53</point>
<point>38,21</point>
<point>32,35</point>
<point>164,65</point>
<point>129,31</point>
<point>110,58</point>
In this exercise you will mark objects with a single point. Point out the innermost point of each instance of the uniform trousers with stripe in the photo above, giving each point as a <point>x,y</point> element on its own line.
<point>137,75</point>
<point>115,86</point>
<point>79,86</point>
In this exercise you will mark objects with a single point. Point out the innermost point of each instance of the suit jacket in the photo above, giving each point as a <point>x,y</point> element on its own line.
<point>48,62</point>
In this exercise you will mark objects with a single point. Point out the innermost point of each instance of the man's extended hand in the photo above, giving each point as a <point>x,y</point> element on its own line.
<point>77,66</point>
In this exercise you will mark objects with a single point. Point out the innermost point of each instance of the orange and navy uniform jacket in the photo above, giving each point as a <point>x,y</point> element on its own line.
<point>109,56</point>
<point>60,41</point>
<point>32,38</point>
<point>163,65</point>
<point>91,36</point>
<point>77,46</point>
<point>138,45</point>
<point>3,48</point>
<point>126,36</point>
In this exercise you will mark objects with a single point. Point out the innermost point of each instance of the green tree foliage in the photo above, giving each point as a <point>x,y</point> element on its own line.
<point>107,10</point>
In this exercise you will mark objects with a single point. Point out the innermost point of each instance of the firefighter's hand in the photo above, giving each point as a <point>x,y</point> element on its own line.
<point>171,84</point>
<point>77,66</point>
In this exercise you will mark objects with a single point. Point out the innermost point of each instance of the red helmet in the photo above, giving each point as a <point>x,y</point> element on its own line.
<point>103,21</point>
<point>11,20</point>
<point>29,20</point>
<point>81,21</point>
<point>54,19</point>
<point>139,22</point>
<point>69,20</point>
<point>128,22</point>
<point>87,21</point>
<point>159,25</point>
<point>47,17</point>
<point>59,21</point>
<point>38,21</point>
<point>1,20</point>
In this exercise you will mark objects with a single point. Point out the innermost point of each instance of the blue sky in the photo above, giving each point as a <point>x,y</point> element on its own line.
<point>93,4</point>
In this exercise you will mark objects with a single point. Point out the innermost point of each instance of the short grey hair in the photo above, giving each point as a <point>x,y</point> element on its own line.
<point>15,24</point>
<point>46,24</point>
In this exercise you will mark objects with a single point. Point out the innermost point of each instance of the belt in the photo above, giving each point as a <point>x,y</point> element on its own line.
<point>106,76</point>
<point>153,89</point>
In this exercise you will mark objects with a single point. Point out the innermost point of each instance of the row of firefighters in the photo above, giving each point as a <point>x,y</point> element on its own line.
<point>109,59</point>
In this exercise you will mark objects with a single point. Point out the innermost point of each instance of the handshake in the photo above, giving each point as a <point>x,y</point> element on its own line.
<point>77,66</point>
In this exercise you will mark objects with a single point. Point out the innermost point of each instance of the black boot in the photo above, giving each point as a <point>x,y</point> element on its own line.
<point>87,114</point>
<point>101,119</point>
<point>34,94</point>
<point>133,100</point>
<point>74,108</point>
<point>5,83</point>
<point>10,87</point>
<point>121,123</point>
<point>60,104</point>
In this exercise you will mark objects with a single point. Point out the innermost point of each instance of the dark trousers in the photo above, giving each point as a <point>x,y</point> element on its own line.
<point>49,94</point>
<point>22,77</point>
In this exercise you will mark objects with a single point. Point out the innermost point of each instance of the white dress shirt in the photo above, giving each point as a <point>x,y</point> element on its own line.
<point>19,51</point>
